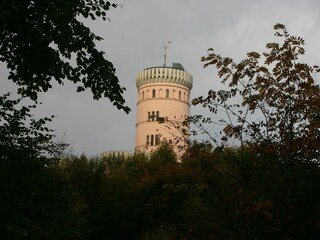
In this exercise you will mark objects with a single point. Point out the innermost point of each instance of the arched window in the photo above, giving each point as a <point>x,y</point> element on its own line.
<point>153,93</point>
<point>142,95</point>
<point>179,94</point>
<point>157,115</point>
<point>147,142</point>
<point>152,140</point>
<point>167,93</point>
<point>149,116</point>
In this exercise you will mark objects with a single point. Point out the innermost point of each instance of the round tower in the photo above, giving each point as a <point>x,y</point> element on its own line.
<point>163,92</point>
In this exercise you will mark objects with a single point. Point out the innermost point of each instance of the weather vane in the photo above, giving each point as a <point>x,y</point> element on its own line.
<point>165,45</point>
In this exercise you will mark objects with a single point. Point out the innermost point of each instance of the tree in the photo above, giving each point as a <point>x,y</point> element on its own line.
<point>42,41</point>
<point>278,119</point>
<point>28,186</point>
<point>282,93</point>
<point>20,132</point>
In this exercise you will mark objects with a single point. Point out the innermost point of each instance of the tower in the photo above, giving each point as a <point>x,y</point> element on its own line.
<point>162,92</point>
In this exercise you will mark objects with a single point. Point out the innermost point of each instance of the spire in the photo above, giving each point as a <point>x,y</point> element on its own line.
<point>165,45</point>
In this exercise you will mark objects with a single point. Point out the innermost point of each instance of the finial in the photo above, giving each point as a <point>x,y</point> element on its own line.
<point>165,45</point>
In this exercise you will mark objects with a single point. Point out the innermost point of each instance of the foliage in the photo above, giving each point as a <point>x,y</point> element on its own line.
<point>42,41</point>
<point>284,99</point>
<point>29,189</point>
<point>130,198</point>
<point>20,131</point>
<point>248,196</point>
<point>33,202</point>
<point>277,124</point>
<point>226,193</point>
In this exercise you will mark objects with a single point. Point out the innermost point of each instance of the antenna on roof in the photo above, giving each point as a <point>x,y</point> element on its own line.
<point>165,45</point>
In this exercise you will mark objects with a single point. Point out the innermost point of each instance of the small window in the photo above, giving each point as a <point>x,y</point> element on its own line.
<point>142,95</point>
<point>167,93</point>
<point>152,116</point>
<point>152,140</point>
<point>147,140</point>
<point>157,115</point>
<point>149,116</point>
<point>153,93</point>
<point>179,94</point>
<point>157,140</point>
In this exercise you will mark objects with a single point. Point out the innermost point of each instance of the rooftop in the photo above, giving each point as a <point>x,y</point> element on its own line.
<point>163,74</point>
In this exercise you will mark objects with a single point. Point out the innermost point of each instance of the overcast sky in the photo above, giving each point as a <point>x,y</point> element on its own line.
<point>133,40</point>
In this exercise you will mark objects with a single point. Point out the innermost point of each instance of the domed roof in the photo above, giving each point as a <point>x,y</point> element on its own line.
<point>178,66</point>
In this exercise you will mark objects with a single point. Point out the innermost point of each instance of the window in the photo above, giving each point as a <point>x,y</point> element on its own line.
<point>167,93</point>
<point>153,93</point>
<point>147,140</point>
<point>153,116</point>
<point>157,139</point>
<point>142,95</point>
<point>151,142</point>
<point>179,94</point>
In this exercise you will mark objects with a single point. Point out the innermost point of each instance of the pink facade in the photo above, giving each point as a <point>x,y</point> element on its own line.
<point>162,92</point>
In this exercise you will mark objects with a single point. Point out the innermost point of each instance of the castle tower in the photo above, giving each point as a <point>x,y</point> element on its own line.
<point>162,92</point>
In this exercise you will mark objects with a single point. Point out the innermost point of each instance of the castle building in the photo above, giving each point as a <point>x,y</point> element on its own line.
<point>163,92</point>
